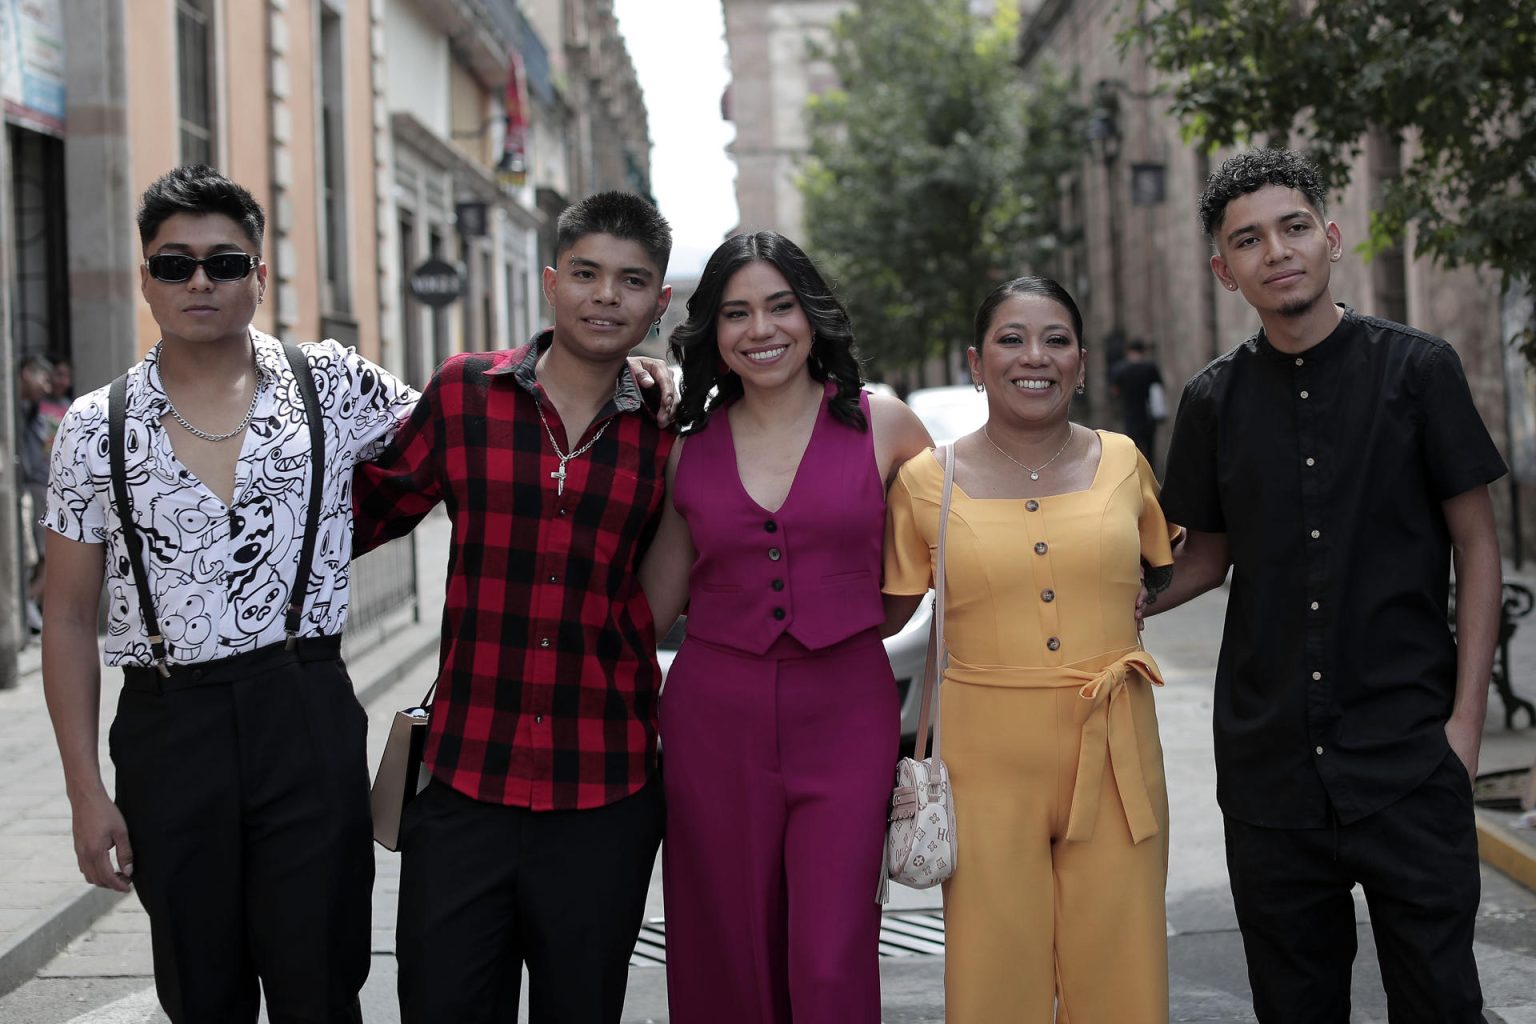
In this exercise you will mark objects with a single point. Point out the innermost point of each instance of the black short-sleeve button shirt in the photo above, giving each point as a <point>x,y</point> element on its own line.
<point>1327,472</point>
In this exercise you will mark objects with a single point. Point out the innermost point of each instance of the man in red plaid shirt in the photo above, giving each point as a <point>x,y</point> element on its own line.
<point>533,842</point>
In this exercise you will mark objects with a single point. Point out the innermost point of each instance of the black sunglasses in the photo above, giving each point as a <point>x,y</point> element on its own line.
<point>222,267</point>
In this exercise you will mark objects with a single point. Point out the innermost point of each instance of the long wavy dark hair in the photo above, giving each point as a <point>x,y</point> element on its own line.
<point>695,342</point>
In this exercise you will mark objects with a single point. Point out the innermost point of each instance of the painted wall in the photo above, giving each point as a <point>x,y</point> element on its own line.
<point>267,143</point>
<point>418,62</point>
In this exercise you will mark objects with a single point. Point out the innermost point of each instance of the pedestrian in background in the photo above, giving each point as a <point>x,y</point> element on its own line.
<point>242,813</point>
<point>1335,462</point>
<point>42,410</point>
<point>62,381</point>
<point>534,841</point>
<point>1055,907</point>
<point>780,719</point>
<point>1138,383</point>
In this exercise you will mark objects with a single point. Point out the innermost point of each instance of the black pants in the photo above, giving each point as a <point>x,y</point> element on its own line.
<point>1417,862</point>
<point>244,783</point>
<point>485,889</point>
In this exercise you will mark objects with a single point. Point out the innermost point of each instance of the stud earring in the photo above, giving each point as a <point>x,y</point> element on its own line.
<point>1081,389</point>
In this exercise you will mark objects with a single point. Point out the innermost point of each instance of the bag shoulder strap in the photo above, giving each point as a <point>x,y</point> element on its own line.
<point>117,431</point>
<point>305,378</point>
<point>938,654</point>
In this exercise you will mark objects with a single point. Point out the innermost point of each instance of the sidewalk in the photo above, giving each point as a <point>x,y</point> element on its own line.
<point>44,903</point>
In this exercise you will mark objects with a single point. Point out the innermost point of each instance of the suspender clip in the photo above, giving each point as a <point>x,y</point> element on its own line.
<point>157,649</point>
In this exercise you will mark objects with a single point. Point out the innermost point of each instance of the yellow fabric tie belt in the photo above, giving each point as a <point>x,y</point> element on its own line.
<point>1110,729</point>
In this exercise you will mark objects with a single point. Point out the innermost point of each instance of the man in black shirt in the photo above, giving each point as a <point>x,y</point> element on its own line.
<point>1132,379</point>
<point>1336,463</point>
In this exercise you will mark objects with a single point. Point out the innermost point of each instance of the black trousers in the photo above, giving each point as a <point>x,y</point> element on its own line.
<point>244,783</point>
<point>1416,861</point>
<point>485,889</point>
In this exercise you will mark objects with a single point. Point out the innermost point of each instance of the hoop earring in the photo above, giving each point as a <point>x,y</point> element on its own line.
<point>979,385</point>
<point>1081,389</point>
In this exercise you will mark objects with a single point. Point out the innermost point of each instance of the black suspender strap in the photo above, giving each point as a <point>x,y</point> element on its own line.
<point>117,413</point>
<point>306,382</point>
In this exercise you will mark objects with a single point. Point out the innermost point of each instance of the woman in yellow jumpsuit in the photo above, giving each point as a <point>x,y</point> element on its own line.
<point>1050,734</point>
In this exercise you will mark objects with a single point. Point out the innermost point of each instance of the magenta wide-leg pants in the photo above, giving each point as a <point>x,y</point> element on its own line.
<point>778,770</point>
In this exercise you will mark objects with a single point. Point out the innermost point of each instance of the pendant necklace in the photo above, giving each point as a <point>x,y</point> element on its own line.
<point>1034,474</point>
<point>559,475</point>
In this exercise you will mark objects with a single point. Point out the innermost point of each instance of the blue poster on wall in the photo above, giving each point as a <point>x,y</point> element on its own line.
<point>32,62</point>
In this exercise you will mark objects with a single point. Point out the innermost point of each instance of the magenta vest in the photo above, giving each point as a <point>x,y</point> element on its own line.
<point>811,569</point>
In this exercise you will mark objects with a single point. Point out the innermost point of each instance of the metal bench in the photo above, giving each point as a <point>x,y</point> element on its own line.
<point>1517,602</point>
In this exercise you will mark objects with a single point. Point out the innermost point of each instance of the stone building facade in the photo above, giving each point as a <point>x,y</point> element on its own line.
<point>1142,268</point>
<point>772,76</point>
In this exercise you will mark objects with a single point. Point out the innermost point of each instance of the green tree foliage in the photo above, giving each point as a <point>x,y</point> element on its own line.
<point>1455,80</point>
<point>934,171</point>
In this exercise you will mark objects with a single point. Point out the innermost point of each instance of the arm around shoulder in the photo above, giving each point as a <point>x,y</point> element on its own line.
<point>898,434</point>
<point>664,568</point>
<point>395,491</point>
<point>1200,563</point>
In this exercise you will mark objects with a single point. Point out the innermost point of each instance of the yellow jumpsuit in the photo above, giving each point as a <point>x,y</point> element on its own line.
<point>1050,735</point>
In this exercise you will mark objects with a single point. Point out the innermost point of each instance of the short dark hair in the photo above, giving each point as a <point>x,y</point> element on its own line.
<point>199,189</point>
<point>695,342</point>
<point>1044,287</point>
<point>622,215</point>
<point>1251,171</point>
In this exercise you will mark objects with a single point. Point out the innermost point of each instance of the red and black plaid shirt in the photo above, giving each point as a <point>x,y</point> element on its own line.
<point>546,694</point>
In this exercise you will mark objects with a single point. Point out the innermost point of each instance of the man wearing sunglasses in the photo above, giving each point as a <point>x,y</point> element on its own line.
<point>241,813</point>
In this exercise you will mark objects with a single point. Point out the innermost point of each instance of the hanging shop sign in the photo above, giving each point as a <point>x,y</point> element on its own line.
<point>436,282</point>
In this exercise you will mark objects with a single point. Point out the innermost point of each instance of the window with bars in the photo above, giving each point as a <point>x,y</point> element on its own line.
<point>337,290</point>
<point>195,80</point>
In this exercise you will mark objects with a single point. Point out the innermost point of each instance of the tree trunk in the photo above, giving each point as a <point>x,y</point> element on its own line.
<point>1389,268</point>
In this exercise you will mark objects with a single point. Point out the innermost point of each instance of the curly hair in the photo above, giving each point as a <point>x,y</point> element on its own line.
<point>694,344</point>
<point>198,189</point>
<point>1248,172</point>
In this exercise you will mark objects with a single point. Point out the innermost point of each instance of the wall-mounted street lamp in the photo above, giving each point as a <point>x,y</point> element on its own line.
<point>1103,134</point>
<point>1104,122</point>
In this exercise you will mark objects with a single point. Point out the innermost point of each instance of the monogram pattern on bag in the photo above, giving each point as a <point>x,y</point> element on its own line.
<point>920,845</point>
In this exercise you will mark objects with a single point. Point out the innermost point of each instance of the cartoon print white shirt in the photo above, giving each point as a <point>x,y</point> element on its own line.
<point>220,576</point>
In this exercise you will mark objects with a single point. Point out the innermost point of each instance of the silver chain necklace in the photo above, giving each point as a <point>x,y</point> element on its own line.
<point>1034,474</point>
<point>559,475</point>
<point>238,428</point>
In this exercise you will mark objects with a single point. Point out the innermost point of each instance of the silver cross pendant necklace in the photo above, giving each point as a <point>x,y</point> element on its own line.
<point>559,475</point>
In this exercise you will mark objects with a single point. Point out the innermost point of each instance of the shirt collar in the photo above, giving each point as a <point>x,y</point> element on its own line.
<point>147,398</point>
<point>521,364</point>
<point>1334,342</point>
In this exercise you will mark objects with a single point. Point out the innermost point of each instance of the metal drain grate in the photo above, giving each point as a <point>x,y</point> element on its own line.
<point>907,933</point>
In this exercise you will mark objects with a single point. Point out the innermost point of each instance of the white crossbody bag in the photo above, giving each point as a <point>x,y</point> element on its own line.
<point>920,840</point>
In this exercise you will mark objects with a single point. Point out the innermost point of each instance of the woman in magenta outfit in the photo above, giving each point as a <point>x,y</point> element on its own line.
<point>779,719</point>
